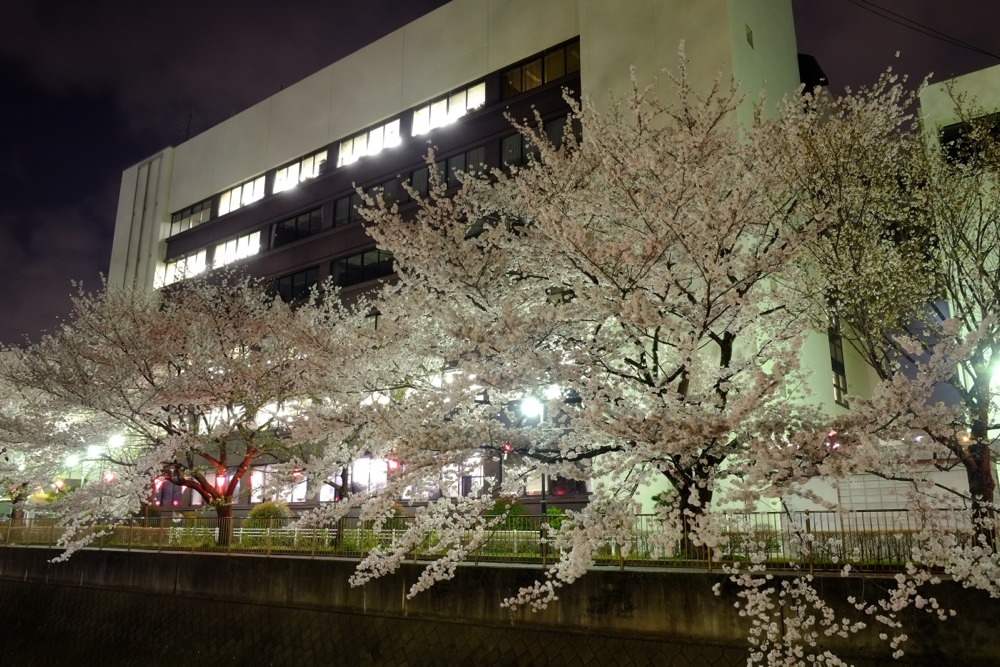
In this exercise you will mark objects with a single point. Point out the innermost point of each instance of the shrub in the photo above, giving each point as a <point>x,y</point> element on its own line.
<point>555,517</point>
<point>517,514</point>
<point>268,514</point>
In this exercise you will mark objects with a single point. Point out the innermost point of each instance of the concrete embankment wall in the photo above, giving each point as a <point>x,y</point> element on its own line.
<point>166,608</point>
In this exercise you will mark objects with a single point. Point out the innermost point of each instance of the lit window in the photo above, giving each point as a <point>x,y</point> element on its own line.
<point>369,142</point>
<point>257,480</point>
<point>183,268</point>
<point>242,195</point>
<point>448,109</point>
<point>190,217</point>
<point>236,249</point>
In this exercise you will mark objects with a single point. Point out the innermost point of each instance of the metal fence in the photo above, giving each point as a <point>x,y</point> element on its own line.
<point>868,540</point>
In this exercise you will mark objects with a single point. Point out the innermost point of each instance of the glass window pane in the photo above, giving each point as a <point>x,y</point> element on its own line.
<point>511,150</point>
<point>555,65</point>
<point>280,180</point>
<point>390,192</point>
<point>439,113</point>
<point>476,96</point>
<point>573,57</point>
<point>419,181</point>
<point>456,106</point>
<point>354,273</point>
<point>391,134</point>
<point>475,160</point>
<point>554,131</point>
<point>341,211</point>
<point>375,139</point>
<point>511,82</point>
<point>532,74</point>
<point>421,120</point>
<point>253,243</point>
<point>224,202</point>
<point>356,204</point>
<point>456,164</point>
<point>345,154</point>
<point>338,271</point>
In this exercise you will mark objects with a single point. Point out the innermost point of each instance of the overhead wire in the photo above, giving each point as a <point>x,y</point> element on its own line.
<point>921,28</point>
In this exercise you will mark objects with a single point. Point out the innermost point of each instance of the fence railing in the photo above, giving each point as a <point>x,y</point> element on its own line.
<point>868,540</point>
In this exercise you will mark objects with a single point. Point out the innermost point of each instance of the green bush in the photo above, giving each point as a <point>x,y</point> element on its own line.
<point>517,514</point>
<point>268,514</point>
<point>555,517</point>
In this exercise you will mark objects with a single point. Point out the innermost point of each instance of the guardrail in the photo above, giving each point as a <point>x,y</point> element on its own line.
<point>868,540</point>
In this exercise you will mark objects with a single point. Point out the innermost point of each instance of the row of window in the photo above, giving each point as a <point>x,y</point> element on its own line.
<point>196,262</point>
<point>359,268</point>
<point>289,176</point>
<point>299,227</point>
<point>514,150</point>
<point>546,67</point>
<point>190,217</point>
<point>448,109</point>
<point>368,142</point>
<point>365,475</point>
<point>242,195</point>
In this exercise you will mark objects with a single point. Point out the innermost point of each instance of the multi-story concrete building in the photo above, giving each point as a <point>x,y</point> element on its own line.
<point>272,189</point>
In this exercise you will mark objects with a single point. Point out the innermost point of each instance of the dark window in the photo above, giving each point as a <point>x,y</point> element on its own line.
<point>420,181</point>
<point>548,66</point>
<point>470,161</point>
<point>512,149</point>
<point>296,286</point>
<point>555,65</point>
<point>299,227</point>
<point>475,160</point>
<point>966,142</point>
<point>362,267</point>
<point>561,486</point>
<point>345,210</point>
<point>515,150</point>
<point>839,369</point>
<point>456,164</point>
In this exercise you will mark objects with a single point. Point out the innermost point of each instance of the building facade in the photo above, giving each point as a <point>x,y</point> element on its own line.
<point>272,189</point>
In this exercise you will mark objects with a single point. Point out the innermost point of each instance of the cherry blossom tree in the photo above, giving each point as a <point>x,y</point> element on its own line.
<point>909,266</point>
<point>202,381</point>
<point>633,279</point>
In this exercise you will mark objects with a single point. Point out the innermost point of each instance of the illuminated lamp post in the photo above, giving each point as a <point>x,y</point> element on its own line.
<point>533,409</point>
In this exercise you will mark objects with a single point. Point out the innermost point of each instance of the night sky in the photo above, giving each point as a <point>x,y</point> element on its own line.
<point>90,88</point>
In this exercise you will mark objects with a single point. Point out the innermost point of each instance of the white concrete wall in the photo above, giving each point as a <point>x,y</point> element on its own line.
<point>980,90</point>
<point>454,45</point>
<point>466,39</point>
<point>140,222</point>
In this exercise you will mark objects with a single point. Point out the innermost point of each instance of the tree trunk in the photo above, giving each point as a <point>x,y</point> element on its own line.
<point>979,471</point>
<point>224,512</point>
<point>690,513</point>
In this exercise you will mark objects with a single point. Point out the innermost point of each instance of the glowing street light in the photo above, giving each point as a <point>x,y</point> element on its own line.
<point>532,408</point>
